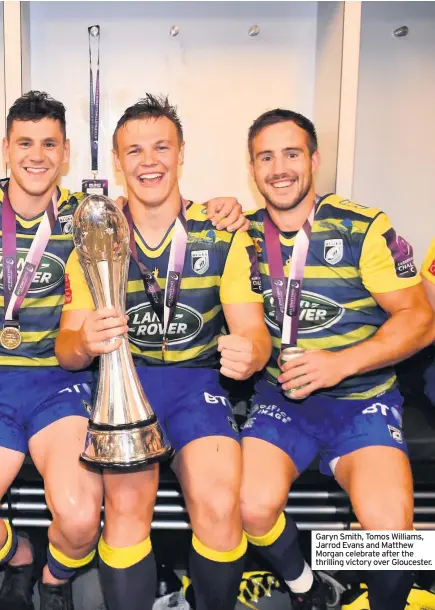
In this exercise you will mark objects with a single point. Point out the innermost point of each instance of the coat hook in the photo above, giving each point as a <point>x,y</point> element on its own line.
<point>254,30</point>
<point>401,32</point>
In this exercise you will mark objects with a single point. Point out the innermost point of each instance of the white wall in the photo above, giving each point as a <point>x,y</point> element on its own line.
<point>219,77</point>
<point>395,153</point>
<point>329,49</point>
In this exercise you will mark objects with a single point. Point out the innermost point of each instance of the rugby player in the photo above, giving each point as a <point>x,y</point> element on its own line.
<point>43,409</point>
<point>178,364</point>
<point>362,309</point>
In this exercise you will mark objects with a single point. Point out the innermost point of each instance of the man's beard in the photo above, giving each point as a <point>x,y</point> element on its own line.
<point>294,204</point>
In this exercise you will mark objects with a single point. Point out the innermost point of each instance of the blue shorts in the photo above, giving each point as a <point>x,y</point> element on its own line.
<point>189,403</point>
<point>321,425</point>
<point>31,399</point>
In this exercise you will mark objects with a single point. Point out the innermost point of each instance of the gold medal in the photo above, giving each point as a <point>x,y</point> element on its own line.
<point>10,337</point>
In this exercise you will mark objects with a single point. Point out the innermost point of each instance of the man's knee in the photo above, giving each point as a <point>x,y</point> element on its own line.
<point>214,506</point>
<point>392,511</point>
<point>79,522</point>
<point>131,501</point>
<point>260,510</point>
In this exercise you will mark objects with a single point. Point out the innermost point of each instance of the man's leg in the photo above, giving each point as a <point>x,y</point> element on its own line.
<point>379,483</point>
<point>74,497</point>
<point>267,475</point>
<point>209,471</point>
<point>127,565</point>
<point>16,554</point>
<point>275,450</point>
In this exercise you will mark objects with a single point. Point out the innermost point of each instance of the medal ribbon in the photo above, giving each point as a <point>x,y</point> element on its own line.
<point>164,307</point>
<point>94,96</point>
<point>287,299</point>
<point>15,288</point>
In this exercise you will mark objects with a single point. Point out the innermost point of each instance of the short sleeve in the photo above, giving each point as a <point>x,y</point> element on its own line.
<point>428,268</point>
<point>77,293</point>
<point>386,262</point>
<point>241,281</point>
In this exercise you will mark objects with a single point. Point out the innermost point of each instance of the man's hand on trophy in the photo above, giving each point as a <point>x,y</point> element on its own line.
<point>120,202</point>
<point>101,331</point>
<point>238,357</point>
<point>226,213</point>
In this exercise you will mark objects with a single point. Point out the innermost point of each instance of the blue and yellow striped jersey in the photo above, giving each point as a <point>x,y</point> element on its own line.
<point>428,267</point>
<point>354,253</point>
<point>42,307</point>
<point>219,267</point>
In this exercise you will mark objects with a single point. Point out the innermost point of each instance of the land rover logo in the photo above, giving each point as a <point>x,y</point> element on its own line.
<point>316,313</point>
<point>146,330</point>
<point>50,272</point>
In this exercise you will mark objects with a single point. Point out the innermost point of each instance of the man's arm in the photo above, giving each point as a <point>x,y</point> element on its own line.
<point>429,288</point>
<point>409,328</point>
<point>390,276</point>
<point>248,346</point>
<point>226,213</point>
<point>85,333</point>
<point>428,273</point>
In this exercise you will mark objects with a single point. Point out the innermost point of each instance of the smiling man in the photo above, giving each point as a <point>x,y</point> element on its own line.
<point>179,350</point>
<point>43,409</point>
<point>343,303</point>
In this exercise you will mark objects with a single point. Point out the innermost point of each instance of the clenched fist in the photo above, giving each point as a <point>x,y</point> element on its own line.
<point>238,357</point>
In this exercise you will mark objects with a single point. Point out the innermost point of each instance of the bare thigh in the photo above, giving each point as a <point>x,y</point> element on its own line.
<point>209,470</point>
<point>379,483</point>
<point>129,505</point>
<point>268,473</point>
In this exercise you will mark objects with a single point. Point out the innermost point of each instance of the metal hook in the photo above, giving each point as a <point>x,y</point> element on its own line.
<point>401,32</point>
<point>174,31</point>
<point>254,30</point>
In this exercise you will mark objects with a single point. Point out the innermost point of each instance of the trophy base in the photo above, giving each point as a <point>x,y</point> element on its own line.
<point>125,447</point>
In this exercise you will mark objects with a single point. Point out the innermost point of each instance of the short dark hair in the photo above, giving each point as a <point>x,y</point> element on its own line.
<point>34,106</point>
<point>151,106</point>
<point>279,115</point>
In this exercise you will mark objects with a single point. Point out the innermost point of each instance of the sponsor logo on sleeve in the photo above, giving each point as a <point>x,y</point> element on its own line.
<point>254,273</point>
<point>402,254</point>
<point>68,291</point>
<point>258,245</point>
<point>431,268</point>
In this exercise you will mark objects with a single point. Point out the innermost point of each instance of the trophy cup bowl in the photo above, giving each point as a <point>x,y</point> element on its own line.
<point>123,431</point>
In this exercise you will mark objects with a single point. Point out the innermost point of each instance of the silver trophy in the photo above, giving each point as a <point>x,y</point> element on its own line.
<point>123,431</point>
